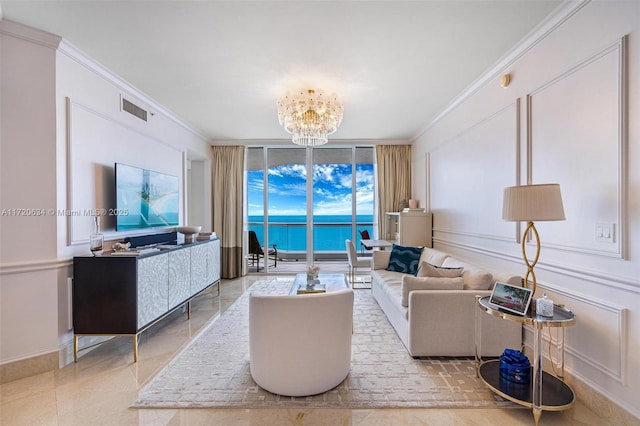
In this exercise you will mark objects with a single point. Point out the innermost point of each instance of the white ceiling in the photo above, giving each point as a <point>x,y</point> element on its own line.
<point>221,65</point>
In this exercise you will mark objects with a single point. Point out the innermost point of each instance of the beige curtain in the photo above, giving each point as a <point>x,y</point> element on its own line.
<point>393,164</point>
<point>228,186</point>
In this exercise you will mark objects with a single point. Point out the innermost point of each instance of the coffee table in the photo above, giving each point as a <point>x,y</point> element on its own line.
<point>327,282</point>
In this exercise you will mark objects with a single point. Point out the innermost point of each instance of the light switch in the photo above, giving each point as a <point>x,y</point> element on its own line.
<point>605,232</point>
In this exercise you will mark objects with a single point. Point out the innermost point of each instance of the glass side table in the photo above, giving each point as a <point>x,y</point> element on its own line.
<point>545,391</point>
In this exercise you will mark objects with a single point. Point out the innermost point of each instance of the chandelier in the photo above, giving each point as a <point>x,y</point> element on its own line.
<point>310,116</point>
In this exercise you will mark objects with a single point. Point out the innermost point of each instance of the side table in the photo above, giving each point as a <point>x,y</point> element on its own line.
<point>545,391</point>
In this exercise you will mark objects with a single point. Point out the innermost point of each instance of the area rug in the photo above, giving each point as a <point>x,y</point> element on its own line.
<point>213,370</point>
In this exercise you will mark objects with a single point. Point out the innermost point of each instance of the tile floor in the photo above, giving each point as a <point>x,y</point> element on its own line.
<point>100,387</point>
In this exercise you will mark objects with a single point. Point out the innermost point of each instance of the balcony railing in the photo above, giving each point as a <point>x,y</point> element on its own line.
<point>328,238</point>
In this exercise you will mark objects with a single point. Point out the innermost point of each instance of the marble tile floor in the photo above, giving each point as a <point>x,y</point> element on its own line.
<point>100,387</point>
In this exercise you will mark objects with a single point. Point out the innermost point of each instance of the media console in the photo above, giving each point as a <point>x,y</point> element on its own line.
<point>125,295</point>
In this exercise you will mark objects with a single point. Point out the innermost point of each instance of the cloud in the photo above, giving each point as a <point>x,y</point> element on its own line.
<point>323,172</point>
<point>289,170</point>
<point>255,183</point>
<point>293,189</point>
<point>332,189</point>
<point>365,176</point>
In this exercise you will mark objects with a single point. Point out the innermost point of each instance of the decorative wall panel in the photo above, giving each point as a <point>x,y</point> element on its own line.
<point>576,138</point>
<point>469,172</point>
<point>95,143</point>
<point>599,337</point>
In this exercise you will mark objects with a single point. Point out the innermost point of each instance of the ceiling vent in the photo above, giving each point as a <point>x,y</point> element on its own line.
<point>134,109</point>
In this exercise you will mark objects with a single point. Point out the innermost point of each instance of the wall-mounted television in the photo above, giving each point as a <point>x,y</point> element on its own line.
<point>145,198</point>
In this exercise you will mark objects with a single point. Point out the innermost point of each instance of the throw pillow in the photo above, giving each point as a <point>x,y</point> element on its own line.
<point>410,284</point>
<point>477,280</point>
<point>429,270</point>
<point>404,259</point>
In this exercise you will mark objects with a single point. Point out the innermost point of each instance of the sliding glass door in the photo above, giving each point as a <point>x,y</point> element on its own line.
<point>314,202</point>
<point>364,190</point>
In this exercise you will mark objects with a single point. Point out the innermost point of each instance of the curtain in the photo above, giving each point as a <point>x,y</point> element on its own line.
<point>393,164</point>
<point>228,186</point>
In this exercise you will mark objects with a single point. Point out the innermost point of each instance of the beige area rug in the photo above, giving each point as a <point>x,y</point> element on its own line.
<point>213,371</point>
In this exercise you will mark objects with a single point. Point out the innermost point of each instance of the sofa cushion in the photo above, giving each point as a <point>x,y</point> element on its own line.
<point>428,270</point>
<point>505,277</point>
<point>404,259</point>
<point>388,278</point>
<point>434,257</point>
<point>410,284</point>
<point>380,259</point>
<point>474,278</point>
<point>390,284</point>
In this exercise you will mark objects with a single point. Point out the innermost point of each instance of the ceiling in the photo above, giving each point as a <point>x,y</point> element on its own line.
<point>221,65</point>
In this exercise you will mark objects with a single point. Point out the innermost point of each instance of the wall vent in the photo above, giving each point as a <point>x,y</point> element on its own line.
<point>134,109</point>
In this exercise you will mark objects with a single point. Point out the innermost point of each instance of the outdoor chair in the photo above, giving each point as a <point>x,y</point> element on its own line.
<point>364,235</point>
<point>256,251</point>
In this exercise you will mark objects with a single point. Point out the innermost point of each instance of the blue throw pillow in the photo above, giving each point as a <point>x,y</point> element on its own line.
<point>404,259</point>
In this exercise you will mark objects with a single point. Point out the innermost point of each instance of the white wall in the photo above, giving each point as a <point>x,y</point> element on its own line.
<point>28,312</point>
<point>94,133</point>
<point>199,173</point>
<point>562,119</point>
<point>62,131</point>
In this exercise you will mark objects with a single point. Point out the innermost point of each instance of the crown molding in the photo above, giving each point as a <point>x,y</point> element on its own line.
<point>55,42</point>
<point>562,14</point>
<point>287,142</point>
<point>97,68</point>
<point>30,34</point>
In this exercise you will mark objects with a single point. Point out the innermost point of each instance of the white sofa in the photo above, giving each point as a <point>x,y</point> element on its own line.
<point>442,322</point>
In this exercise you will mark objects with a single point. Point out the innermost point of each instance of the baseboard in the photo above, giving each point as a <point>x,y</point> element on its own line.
<point>28,367</point>
<point>605,407</point>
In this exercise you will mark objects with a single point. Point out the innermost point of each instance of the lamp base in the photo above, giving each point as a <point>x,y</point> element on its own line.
<point>530,265</point>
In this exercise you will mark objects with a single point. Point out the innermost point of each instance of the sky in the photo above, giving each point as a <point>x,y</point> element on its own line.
<point>332,193</point>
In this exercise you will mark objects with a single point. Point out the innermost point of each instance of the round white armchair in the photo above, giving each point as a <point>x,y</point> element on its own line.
<point>300,345</point>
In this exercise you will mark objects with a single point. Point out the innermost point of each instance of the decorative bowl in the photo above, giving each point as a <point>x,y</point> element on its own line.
<point>188,230</point>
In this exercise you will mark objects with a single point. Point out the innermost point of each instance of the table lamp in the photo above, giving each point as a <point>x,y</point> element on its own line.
<point>529,203</point>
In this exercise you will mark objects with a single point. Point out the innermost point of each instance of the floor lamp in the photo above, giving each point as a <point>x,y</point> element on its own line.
<point>529,203</point>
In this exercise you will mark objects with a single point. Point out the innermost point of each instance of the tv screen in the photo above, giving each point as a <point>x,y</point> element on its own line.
<point>145,199</point>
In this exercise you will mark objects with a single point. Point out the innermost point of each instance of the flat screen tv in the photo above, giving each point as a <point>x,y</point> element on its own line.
<point>145,199</point>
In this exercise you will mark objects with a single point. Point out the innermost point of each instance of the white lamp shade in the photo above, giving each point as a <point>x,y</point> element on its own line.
<point>532,203</point>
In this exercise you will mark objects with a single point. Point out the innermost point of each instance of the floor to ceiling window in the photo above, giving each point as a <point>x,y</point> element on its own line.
<point>308,216</point>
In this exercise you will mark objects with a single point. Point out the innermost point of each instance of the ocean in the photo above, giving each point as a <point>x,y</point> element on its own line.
<point>329,232</point>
